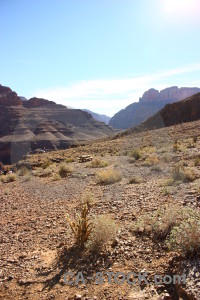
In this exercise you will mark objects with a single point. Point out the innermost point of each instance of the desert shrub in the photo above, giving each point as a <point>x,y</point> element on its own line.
<point>161,222</point>
<point>195,138</point>
<point>56,177</point>
<point>197,161</point>
<point>185,238</point>
<point>136,154</point>
<point>108,176</point>
<point>156,169</point>
<point>65,170</point>
<point>104,230</point>
<point>46,172</point>
<point>37,172</point>
<point>151,160</point>
<point>175,147</point>
<point>97,163</point>
<point>23,171</point>
<point>27,178</point>
<point>46,164</point>
<point>69,160</point>
<point>179,173</point>
<point>135,180</point>
<point>168,190</point>
<point>8,178</point>
<point>81,226</point>
<point>88,198</point>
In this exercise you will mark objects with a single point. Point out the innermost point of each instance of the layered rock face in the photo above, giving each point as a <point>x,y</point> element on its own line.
<point>150,103</point>
<point>187,110</point>
<point>39,123</point>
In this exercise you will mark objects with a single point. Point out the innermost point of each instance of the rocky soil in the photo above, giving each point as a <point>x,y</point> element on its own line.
<point>37,245</point>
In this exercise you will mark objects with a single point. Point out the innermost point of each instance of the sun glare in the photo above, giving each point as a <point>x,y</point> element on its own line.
<point>182,8</point>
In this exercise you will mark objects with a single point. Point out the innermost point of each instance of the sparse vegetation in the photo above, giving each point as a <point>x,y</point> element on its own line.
<point>162,222</point>
<point>97,163</point>
<point>69,160</point>
<point>104,230</point>
<point>56,177</point>
<point>136,154</point>
<point>135,180</point>
<point>179,173</point>
<point>8,178</point>
<point>151,160</point>
<point>23,171</point>
<point>82,226</point>
<point>46,164</point>
<point>65,170</point>
<point>108,176</point>
<point>185,238</point>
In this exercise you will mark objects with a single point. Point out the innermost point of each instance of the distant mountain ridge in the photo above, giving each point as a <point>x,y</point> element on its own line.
<point>99,117</point>
<point>150,103</point>
<point>187,110</point>
<point>40,123</point>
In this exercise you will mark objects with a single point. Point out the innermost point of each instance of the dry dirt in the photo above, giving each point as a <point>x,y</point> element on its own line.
<point>37,245</point>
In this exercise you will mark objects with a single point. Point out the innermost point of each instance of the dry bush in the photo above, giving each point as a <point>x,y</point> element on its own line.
<point>46,172</point>
<point>69,160</point>
<point>197,161</point>
<point>27,178</point>
<point>156,169</point>
<point>161,222</point>
<point>108,176</point>
<point>104,230</point>
<point>135,180</point>
<point>46,164</point>
<point>151,161</point>
<point>185,238</point>
<point>97,163</point>
<point>23,171</point>
<point>8,178</point>
<point>65,170</point>
<point>179,173</point>
<point>195,138</point>
<point>168,190</point>
<point>56,177</point>
<point>37,172</point>
<point>135,153</point>
<point>81,227</point>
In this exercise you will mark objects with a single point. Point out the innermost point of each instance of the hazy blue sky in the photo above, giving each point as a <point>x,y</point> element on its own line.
<point>98,54</point>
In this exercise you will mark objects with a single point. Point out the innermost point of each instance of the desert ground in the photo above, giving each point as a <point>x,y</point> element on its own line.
<point>130,179</point>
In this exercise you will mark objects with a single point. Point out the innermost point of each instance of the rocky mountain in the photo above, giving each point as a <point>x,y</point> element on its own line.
<point>39,123</point>
<point>150,103</point>
<point>187,110</point>
<point>98,117</point>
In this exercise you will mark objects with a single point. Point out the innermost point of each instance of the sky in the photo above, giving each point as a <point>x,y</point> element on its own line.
<point>100,55</point>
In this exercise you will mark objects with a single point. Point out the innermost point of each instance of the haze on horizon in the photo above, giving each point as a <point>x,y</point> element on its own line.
<point>99,55</point>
